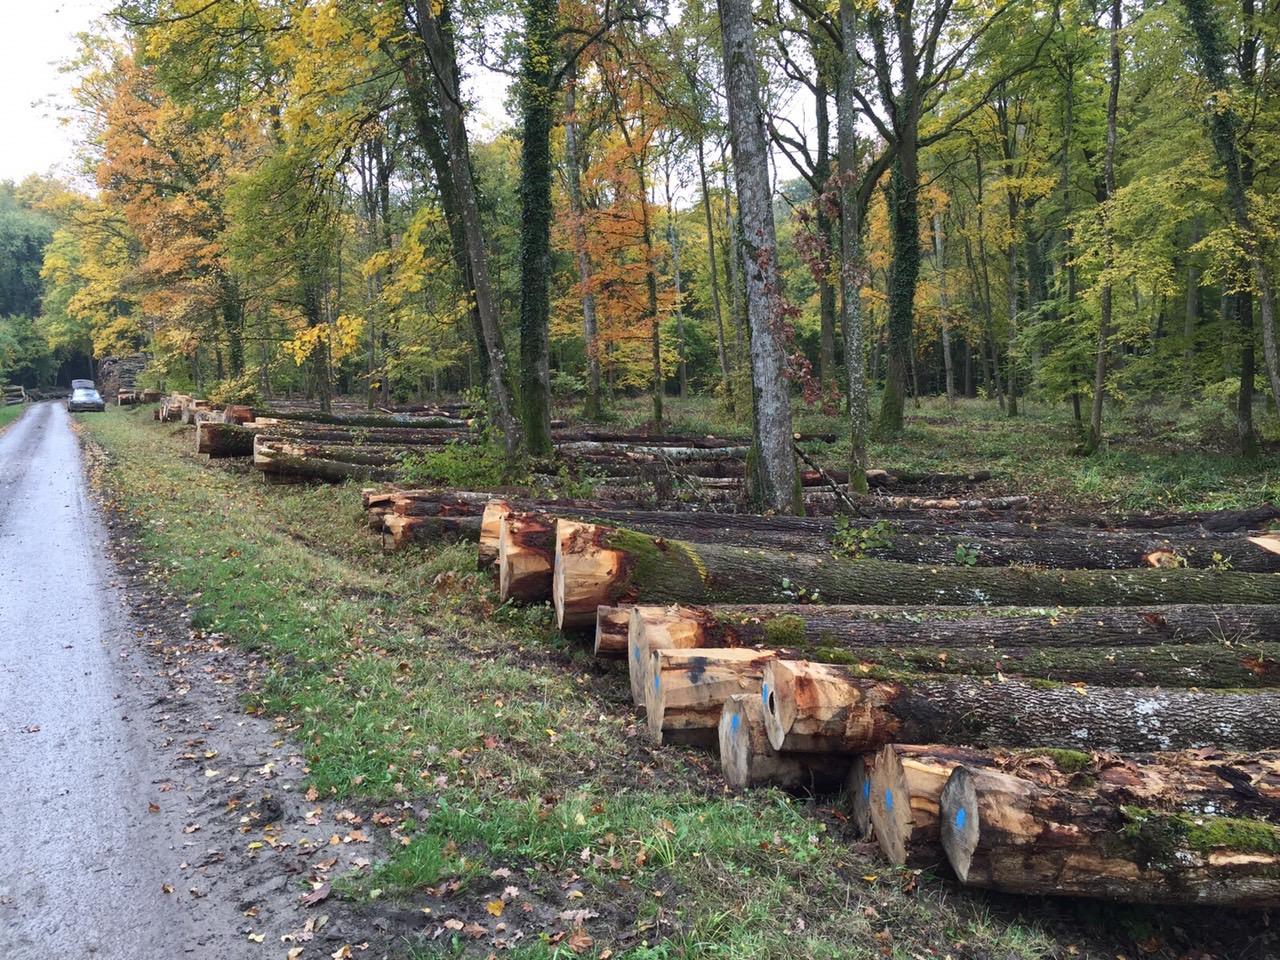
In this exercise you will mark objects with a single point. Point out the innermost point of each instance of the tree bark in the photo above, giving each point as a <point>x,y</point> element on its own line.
<point>776,471</point>
<point>817,706</point>
<point>721,348</point>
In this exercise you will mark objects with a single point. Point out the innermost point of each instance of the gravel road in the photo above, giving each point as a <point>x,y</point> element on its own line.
<point>120,837</point>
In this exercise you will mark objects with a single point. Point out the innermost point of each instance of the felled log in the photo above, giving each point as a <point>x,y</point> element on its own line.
<point>596,564</point>
<point>369,454</point>
<point>673,454</point>
<point>748,760</point>
<point>362,420</point>
<point>1008,833</point>
<point>904,789</point>
<point>594,435</point>
<point>816,706</point>
<point>151,396</point>
<point>387,436</point>
<point>879,639</point>
<point>190,407</point>
<point>954,503</point>
<point>1220,521</point>
<point>612,624</point>
<point>828,629</point>
<point>280,458</point>
<point>689,688</point>
<point>224,439</point>
<point>526,550</point>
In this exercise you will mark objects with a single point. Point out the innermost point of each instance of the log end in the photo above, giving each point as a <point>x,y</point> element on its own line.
<point>858,793</point>
<point>612,629</point>
<point>958,821</point>
<point>890,805</point>
<point>776,698</point>
<point>584,573</point>
<point>490,532</point>
<point>734,736</point>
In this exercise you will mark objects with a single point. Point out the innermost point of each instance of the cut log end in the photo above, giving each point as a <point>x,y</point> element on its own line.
<point>891,813</point>
<point>688,689</point>
<point>491,532</point>
<point>735,740</point>
<point>583,574</point>
<point>612,627</point>
<point>525,555</point>
<point>858,793</point>
<point>958,821</point>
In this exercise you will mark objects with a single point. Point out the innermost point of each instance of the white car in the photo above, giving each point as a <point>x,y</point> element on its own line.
<point>85,398</point>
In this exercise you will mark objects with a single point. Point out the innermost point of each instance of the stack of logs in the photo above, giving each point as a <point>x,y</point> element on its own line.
<point>1047,709</point>
<point>292,441</point>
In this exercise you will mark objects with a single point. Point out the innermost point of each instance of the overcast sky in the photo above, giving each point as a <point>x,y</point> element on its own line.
<point>35,36</point>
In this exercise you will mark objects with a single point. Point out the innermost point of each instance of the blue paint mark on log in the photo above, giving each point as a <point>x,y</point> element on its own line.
<point>888,799</point>
<point>764,694</point>
<point>734,722</point>
<point>960,818</point>
<point>866,789</point>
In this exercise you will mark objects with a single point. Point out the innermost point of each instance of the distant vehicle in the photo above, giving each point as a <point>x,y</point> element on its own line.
<point>85,399</point>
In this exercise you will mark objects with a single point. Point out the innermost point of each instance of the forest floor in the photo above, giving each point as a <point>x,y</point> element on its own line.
<point>513,805</point>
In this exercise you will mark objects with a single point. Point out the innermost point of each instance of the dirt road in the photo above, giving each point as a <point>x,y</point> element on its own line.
<point>120,838</point>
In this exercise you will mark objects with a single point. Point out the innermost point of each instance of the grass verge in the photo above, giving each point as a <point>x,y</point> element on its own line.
<point>517,753</point>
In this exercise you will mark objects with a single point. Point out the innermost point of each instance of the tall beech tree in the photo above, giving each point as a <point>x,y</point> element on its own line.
<point>774,459</point>
<point>442,61</point>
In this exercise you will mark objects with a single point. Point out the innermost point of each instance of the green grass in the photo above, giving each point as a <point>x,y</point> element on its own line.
<point>8,414</point>
<point>404,680</point>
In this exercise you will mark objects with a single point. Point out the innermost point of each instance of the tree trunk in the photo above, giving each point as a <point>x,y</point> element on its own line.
<point>826,291</point>
<point>748,760</point>
<point>776,468</point>
<point>601,565</point>
<point>1008,833</point>
<point>722,351</point>
<point>853,267</point>
<point>444,69</point>
<point>939,253</point>
<point>573,166</point>
<point>904,271</point>
<point>536,98</point>
<point>1109,180</point>
<point>818,706</point>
